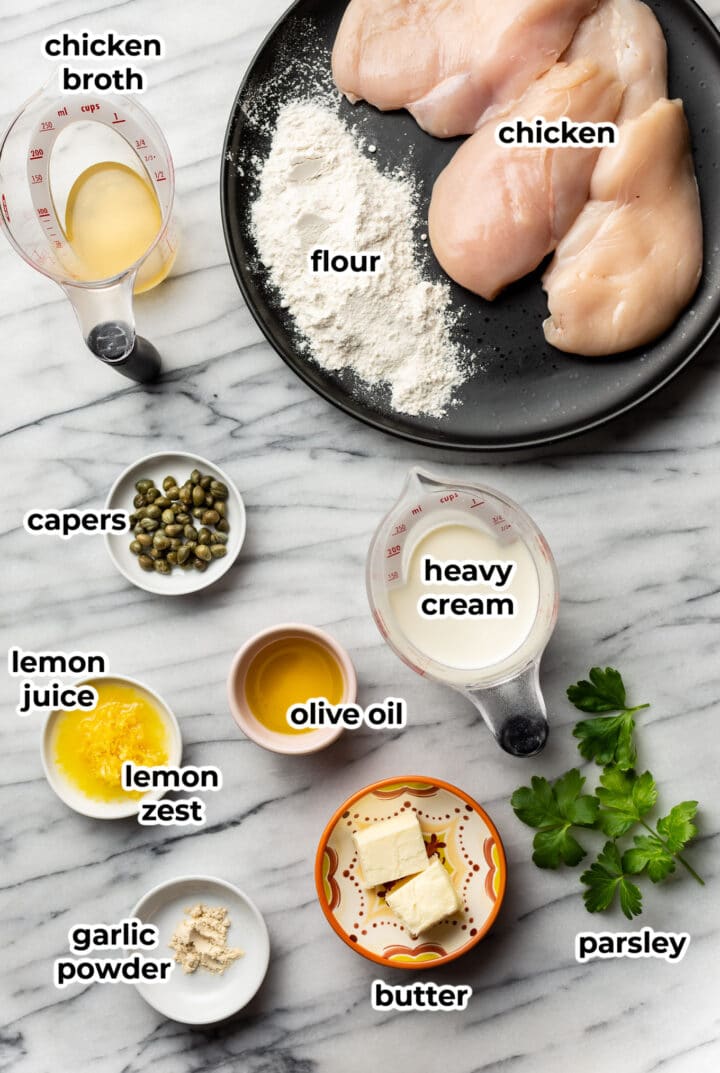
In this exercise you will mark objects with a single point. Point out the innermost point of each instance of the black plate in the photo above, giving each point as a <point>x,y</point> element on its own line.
<point>525,393</point>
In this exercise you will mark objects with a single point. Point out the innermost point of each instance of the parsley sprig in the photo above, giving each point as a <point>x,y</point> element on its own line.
<point>620,805</point>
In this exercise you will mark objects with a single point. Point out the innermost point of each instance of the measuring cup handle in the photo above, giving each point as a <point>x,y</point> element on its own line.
<point>143,364</point>
<point>117,345</point>
<point>515,712</point>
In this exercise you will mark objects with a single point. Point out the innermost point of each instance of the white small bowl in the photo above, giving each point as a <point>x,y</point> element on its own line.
<point>156,467</point>
<point>201,998</point>
<point>68,792</point>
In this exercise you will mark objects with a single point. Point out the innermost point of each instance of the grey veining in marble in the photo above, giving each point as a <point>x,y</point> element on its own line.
<point>631,513</point>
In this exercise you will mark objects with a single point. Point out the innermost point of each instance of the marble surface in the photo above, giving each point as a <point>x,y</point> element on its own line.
<point>631,513</point>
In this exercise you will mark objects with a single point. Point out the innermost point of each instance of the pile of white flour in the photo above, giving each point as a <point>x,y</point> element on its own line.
<point>318,189</point>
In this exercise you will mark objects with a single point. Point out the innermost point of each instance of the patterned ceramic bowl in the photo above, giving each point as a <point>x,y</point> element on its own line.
<point>456,829</point>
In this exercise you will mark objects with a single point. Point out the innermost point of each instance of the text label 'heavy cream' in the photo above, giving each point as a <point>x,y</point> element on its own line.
<point>496,574</point>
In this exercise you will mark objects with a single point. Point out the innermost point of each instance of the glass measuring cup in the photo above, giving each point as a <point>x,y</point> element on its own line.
<point>507,693</point>
<point>51,141</point>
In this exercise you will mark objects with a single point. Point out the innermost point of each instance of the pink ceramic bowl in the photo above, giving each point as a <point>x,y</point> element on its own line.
<point>291,744</point>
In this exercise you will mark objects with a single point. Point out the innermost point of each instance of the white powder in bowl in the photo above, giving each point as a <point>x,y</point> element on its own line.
<point>318,189</point>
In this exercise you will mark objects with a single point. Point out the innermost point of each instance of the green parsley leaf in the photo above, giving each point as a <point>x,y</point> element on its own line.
<point>608,740</point>
<point>625,798</point>
<point>554,810</point>
<point>556,847</point>
<point>606,877</point>
<point>676,828</point>
<point>649,852</point>
<point>605,692</point>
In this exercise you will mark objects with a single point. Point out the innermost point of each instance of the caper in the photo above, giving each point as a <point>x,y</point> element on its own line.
<point>183,554</point>
<point>198,496</point>
<point>191,545</point>
<point>188,562</point>
<point>195,476</point>
<point>220,507</point>
<point>190,532</point>
<point>223,526</point>
<point>162,502</point>
<point>186,494</point>
<point>218,489</point>
<point>218,550</point>
<point>204,536</point>
<point>153,511</point>
<point>133,520</point>
<point>139,500</point>
<point>200,565</point>
<point>173,530</point>
<point>205,482</point>
<point>161,542</point>
<point>155,554</point>
<point>151,495</point>
<point>138,529</point>
<point>198,512</point>
<point>202,551</point>
<point>175,543</point>
<point>168,516</point>
<point>143,513</point>
<point>171,558</point>
<point>149,525</point>
<point>144,539</point>
<point>210,517</point>
<point>220,538</point>
<point>144,484</point>
<point>182,518</point>
<point>173,492</point>
<point>162,566</point>
<point>169,482</point>
<point>135,548</point>
<point>146,562</point>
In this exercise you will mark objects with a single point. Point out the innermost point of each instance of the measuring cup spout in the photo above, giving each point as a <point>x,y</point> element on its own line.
<point>105,315</point>
<point>515,712</point>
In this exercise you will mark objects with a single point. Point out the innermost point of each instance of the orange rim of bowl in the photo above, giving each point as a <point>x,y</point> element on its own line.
<point>329,916</point>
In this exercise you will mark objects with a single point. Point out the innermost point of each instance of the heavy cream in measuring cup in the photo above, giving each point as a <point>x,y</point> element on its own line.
<point>470,598</point>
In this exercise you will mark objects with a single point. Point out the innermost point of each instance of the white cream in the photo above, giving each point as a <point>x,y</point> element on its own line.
<point>479,614</point>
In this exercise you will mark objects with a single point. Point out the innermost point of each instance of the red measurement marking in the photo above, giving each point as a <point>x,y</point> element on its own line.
<point>36,154</point>
<point>160,176</point>
<point>416,510</point>
<point>140,143</point>
<point>42,213</point>
<point>449,499</point>
<point>62,112</point>
<point>116,118</point>
<point>35,179</point>
<point>402,528</point>
<point>477,503</point>
<point>393,551</point>
<point>148,157</point>
<point>393,576</point>
<point>46,125</point>
<point>6,212</point>
<point>57,244</point>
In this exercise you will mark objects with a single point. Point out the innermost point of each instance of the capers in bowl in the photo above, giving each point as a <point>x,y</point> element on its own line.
<point>164,539</point>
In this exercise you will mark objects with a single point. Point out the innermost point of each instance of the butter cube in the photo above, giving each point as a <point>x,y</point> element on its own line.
<point>391,849</point>
<point>425,900</point>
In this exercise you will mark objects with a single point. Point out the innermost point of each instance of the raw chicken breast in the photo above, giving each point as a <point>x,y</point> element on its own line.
<point>450,61</point>
<point>625,37</point>
<point>496,211</point>
<point>633,259</point>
